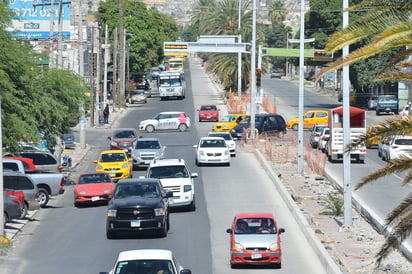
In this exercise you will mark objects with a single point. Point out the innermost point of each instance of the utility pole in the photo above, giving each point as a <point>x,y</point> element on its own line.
<point>239,58</point>
<point>253,71</point>
<point>106,59</point>
<point>1,178</point>
<point>51,35</point>
<point>98,75</point>
<point>122,36</point>
<point>91,78</point>
<point>81,73</point>
<point>115,51</point>
<point>60,37</point>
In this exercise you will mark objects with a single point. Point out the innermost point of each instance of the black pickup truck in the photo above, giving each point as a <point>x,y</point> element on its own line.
<point>138,206</point>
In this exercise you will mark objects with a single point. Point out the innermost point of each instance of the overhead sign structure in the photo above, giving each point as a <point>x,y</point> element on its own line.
<point>175,48</point>
<point>34,19</point>
<point>287,52</point>
<point>183,48</point>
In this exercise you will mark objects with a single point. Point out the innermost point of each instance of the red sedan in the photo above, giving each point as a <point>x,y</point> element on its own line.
<point>255,240</point>
<point>208,113</point>
<point>90,188</point>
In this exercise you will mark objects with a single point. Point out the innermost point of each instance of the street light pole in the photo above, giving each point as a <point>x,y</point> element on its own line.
<point>253,72</point>
<point>239,58</point>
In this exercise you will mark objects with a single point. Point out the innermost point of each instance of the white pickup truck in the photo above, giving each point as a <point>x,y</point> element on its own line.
<point>48,183</point>
<point>334,146</point>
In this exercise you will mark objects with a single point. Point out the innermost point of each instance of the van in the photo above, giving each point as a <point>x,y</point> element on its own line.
<point>270,123</point>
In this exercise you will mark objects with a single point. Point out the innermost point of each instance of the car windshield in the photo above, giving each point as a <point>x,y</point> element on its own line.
<point>165,172</point>
<point>208,108</point>
<point>125,134</point>
<point>148,145</point>
<point>245,121</point>
<point>228,119</point>
<point>141,190</point>
<point>112,157</point>
<point>212,143</point>
<point>255,226</point>
<point>145,266</point>
<point>94,178</point>
<point>403,142</point>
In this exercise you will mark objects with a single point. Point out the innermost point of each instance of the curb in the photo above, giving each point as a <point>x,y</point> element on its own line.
<point>319,249</point>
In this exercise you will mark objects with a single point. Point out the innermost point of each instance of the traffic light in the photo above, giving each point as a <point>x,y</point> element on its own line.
<point>258,77</point>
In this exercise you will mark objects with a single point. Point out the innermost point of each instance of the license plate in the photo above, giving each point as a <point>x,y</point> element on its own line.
<point>256,256</point>
<point>134,223</point>
<point>95,198</point>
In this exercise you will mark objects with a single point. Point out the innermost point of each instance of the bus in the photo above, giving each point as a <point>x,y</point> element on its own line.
<point>176,64</point>
<point>171,84</point>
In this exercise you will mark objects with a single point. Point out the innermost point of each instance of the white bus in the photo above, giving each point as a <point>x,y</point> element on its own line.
<point>171,84</point>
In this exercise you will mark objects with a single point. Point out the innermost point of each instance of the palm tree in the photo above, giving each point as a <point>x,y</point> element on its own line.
<point>388,25</point>
<point>277,12</point>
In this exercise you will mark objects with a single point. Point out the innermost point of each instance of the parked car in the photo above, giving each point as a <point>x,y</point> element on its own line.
<point>91,186</point>
<point>176,177</point>
<point>229,122</point>
<point>157,261</point>
<point>146,150</point>
<point>171,120</point>
<point>212,150</point>
<point>116,163</point>
<point>137,206</point>
<point>230,142</point>
<point>137,96</point>
<point>20,195</point>
<point>264,123</point>
<point>43,160</point>
<point>324,138</point>
<point>11,208</point>
<point>310,119</point>
<point>372,102</point>
<point>68,140</point>
<point>123,138</point>
<point>276,73</point>
<point>255,240</point>
<point>315,135</point>
<point>393,147</point>
<point>20,182</point>
<point>208,113</point>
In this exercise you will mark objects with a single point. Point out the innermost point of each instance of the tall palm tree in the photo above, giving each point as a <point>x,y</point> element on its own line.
<point>201,10</point>
<point>388,25</point>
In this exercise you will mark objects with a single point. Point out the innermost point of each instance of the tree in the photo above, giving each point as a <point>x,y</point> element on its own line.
<point>389,28</point>
<point>277,12</point>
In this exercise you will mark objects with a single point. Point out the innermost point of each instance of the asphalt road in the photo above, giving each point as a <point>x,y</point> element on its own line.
<point>64,239</point>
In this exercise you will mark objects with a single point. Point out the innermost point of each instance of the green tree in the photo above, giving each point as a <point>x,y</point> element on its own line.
<point>277,12</point>
<point>389,28</point>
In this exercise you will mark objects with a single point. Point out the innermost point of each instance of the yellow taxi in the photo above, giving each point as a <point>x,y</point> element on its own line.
<point>116,163</point>
<point>229,122</point>
<point>373,141</point>
<point>310,119</point>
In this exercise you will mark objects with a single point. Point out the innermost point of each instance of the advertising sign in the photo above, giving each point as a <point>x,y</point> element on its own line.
<point>34,19</point>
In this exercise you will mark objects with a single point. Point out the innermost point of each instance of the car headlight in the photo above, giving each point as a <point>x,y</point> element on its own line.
<point>136,154</point>
<point>226,152</point>
<point>107,190</point>
<point>225,127</point>
<point>201,153</point>
<point>159,211</point>
<point>111,213</point>
<point>125,165</point>
<point>238,247</point>
<point>274,247</point>
<point>99,167</point>
<point>187,188</point>
<point>159,153</point>
<point>112,143</point>
<point>233,130</point>
<point>82,192</point>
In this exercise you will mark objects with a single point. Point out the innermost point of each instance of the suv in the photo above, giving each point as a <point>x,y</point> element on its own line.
<point>43,160</point>
<point>387,104</point>
<point>20,182</point>
<point>166,120</point>
<point>138,205</point>
<point>146,150</point>
<point>176,177</point>
<point>269,123</point>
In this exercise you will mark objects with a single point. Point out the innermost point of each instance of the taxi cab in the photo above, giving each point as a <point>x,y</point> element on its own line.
<point>229,122</point>
<point>116,163</point>
<point>310,119</point>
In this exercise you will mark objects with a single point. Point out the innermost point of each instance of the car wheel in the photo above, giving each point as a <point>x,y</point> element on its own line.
<point>277,266</point>
<point>182,127</point>
<point>150,128</point>
<point>43,197</point>
<point>110,234</point>
<point>233,266</point>
<point>163,230</point>
<point>377,112</point>
<point>24,211</point>
<point>295,127</point>
<point>228,164</point>
<point>198,163</point>
<point>192,206</point>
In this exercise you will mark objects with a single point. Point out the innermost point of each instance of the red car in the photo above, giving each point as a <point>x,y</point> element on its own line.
<point>255,240</point>
<point>20,196</point>
<point>90,188</point>
<point>27,163</point>
<point>123,139</point>
<point>208,113</point>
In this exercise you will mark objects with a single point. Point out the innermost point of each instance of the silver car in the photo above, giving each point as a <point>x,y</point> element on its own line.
<point>138,96</point>
<point>324,137</point>
<point>146,150</point>
<point>315,135</point>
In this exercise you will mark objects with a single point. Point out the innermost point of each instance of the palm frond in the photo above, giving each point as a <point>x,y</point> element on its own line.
<point>401,211</point>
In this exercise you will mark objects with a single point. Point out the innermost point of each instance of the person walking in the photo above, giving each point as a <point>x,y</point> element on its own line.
<point>106,113</point>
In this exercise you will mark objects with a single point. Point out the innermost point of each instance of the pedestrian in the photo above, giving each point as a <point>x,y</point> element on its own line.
<point>106,113</point>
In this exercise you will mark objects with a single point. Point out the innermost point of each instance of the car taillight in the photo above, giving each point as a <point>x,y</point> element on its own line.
<point>62,181</point>
<point>394,147</point>
<point>36,197</point>
<point>59,168</point>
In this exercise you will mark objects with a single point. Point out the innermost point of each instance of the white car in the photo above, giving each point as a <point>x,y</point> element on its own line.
<point>212,150</point>
<point>395,146</point>
<point>147,261</point>
<point>170,120</point>
<point>228,139</point>
<point>176,177</point>
<point>323,138</point>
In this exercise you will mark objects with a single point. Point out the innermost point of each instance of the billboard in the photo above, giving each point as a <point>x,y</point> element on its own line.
<point>34,19</point>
